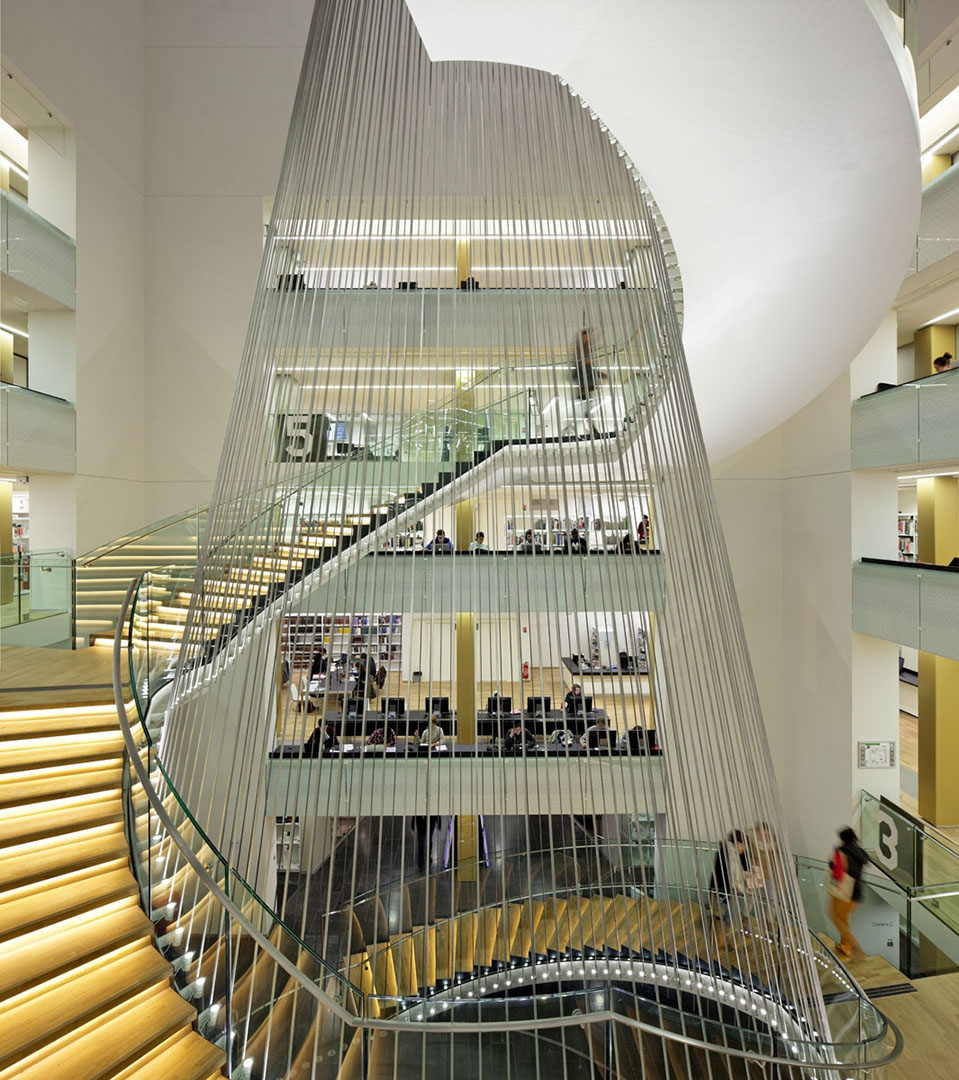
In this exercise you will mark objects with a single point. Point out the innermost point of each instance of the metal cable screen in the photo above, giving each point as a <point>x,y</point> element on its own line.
<point>463,693</point>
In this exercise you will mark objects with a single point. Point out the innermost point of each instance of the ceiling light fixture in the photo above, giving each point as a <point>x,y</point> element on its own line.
<point>10,163</point>
<point>14,330</point>
<point>950,134</point>
<point>929,475</point>
<point>939,318</point>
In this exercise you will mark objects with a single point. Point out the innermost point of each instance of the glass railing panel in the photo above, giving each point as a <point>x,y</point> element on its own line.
<point>34,587</point>
<point>903,849</point>
<point>37,253</point>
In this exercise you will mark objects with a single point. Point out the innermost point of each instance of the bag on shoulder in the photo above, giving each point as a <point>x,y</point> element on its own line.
<point>839,883</point>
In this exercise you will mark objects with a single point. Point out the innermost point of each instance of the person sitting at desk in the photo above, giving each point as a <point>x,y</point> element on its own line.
<point>321,740</point>
<point>576,544</point>
<point>380,736</point>
<point>518,737</point>
<point>432,734</point>
<point>440,544</point>
<point>320,662</point>
<point>575,702</point>
<point>942,363</point>
<point>529,545</point>
<point>479,544</point>
<point>597,734</point>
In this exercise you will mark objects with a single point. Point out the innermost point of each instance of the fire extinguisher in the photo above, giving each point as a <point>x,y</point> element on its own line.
<point>525,669</point>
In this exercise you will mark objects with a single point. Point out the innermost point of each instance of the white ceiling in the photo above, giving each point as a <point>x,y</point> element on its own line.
<point>781,144</point>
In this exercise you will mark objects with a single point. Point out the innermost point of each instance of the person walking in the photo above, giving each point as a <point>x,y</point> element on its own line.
<point>728,883</point>
<point>844,886</point>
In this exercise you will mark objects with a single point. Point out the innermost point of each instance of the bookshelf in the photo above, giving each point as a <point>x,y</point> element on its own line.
<point>908,537</point>
<point>379,634</point>
<point>552,532</point>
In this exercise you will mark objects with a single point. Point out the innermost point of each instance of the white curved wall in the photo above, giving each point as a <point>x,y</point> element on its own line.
<point>781,143</point>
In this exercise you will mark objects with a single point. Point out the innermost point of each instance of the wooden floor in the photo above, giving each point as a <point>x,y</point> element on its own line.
<point>929,1022</point>
<point>36,677</point>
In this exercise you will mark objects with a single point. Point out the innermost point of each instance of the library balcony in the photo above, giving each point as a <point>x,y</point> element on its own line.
<point>39,431</point>
<point>913,604</point>
<point>915,423</point>
<point>38,263</point>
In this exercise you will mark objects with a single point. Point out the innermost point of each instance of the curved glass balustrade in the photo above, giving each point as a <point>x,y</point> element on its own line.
<point>498,955</point>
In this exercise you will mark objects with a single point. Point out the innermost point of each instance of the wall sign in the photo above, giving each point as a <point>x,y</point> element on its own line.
<point>300,437</point>
<point>877,755</point>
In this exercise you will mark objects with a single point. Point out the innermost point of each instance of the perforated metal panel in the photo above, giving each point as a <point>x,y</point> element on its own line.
<point>885,602</point>
<point>885,428</point>
<point>38,432</point>
<point>939,221</point>
<point>37,254</point>
<point>939,600</point>
<point>939,418</point>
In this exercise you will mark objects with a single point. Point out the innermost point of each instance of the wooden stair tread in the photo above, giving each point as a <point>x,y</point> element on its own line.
<point>30,959</point>
<point>24,913</point>
<point>46,1014</point>
<point>74,813</point>
<point>75,779</point>
<point>189,1057</point>
<point>27,724</point>
<point>42,750</point>
<point>100,1047</point>
<point>39,859</point>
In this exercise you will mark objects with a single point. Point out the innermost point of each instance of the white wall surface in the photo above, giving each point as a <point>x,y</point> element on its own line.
<point>219,84</point>
<point>795,517</point>
<point>87,60</point>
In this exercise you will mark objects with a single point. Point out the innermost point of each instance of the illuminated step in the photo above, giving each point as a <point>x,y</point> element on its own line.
<point>75,778</point>
<point>244,574</point>
<point>49,750</point>
<point>113,1038</point>
<point>50,1011</point>
<point>42,904</point>
<point>36,860</point>
<point>27,960</point>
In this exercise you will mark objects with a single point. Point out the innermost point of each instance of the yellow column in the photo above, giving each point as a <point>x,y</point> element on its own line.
<point>938,526</point>
<point>463,261</point>
<point>938,739</point>
<point>467,826</point>
<point>937,519</point>
<point>464,525</point>
<point>6,357</point>
<point>7,568</point>
<point>932,341</point>
<point>933,165</point>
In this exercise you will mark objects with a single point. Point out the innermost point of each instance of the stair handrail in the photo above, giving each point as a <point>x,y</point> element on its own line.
<point>233,911</point>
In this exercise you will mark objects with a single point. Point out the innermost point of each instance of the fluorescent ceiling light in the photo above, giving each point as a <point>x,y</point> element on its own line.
<point>950,134</point>
<point>926,475</point>
<point>14,166</point>
<point>14,330</point>
<point>939,318</point>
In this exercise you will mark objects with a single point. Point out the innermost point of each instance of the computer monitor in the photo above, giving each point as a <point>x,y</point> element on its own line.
<point>641,740</point>
<point>601,739</point>
<point>497,705</point>
<point>538,706</point>
<point>438,705</point>
<point>395,706</point>
<point>355,706</point>
<point>581,707</point>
